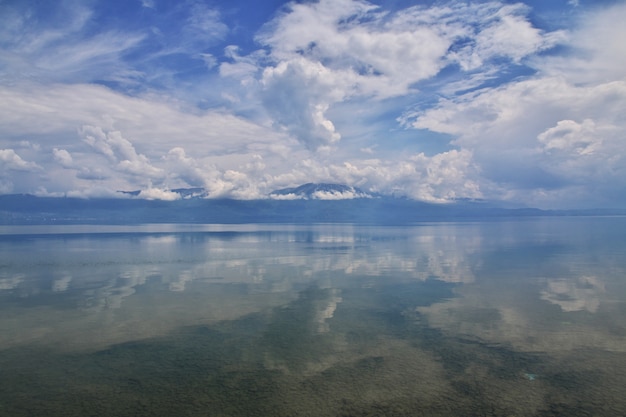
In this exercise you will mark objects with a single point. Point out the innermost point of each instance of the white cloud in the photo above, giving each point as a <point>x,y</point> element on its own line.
<point>438,178</point>
<point>151,120</point>
<point>598,53</point>
<point>336,195</point>
<point>57,49</point>
<point>63,157</point>
<point>190,171</point>
<point>333,51</point>
<point>95,126</point>
<point>12,161</point>
<point>94,191</point>
<point>243,182</point>
<point>504,31</point>
<point>28,144</point>
<point>148,4</point>
<point>290,196</point>
<point>209,60</point>
<point>317,103</point>
<point>301,107</point>
<point>570,136</point>
<point>86,59</point>
<point>541,133</point>
<point>73,43</point>
<point>120,151</point>
<point>382,57</point>
<point>204,25</point>
<point>151,193</point>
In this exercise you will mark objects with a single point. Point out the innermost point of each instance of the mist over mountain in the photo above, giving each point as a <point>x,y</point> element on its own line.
<point>308,191</point>
<point>24,209</point>
<point>322,191</point>
<point>174,194</point>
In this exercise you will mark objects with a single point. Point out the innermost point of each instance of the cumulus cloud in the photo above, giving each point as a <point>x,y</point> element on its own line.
<point>151,193</point>
<point>119,139</point>
<point>490,108</point>
<point>523,135</point>
<point>439,178</point>
<point>597,53</point>
<point>63,157</point>
<point>151,120</point>
<point>186,168</point>
<point>503,31</point>
<point>555,137</point>
<point>331,51</point>
<point>295,106</point>
<point>120,151</point>
<point>336,195</point>
<point>216,182</point>
<point>10,160</point>
<point>570,136</point>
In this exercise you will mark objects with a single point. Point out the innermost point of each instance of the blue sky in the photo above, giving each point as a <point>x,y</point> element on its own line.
<point>433,100</point>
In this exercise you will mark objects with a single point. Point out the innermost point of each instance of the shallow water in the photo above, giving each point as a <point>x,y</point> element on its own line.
<point>524,317</point>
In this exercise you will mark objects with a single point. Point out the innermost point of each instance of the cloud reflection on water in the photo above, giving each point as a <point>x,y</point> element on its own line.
<point>557,292</point>
<point>575,295</point>
<point>121,286</point>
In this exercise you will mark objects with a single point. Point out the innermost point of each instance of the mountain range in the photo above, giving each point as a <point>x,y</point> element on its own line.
<point>323,191</point>
<point>308,191</point>
<point>308,203</point>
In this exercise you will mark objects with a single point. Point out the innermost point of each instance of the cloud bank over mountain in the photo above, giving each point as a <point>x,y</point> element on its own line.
<point>434,101</point>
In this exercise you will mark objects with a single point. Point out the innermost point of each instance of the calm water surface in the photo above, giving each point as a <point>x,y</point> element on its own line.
<point>495,318</point>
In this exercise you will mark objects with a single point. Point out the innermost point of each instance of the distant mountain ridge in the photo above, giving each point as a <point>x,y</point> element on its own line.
<point>194,192</point>
<point>25,209</point>
<point>308,191</point>
<point>320,191</point>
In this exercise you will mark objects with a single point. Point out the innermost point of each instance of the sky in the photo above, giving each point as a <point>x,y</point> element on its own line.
<point>521,102</point>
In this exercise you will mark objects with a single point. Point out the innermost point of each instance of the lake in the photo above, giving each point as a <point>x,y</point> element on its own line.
<point>522,317</point>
